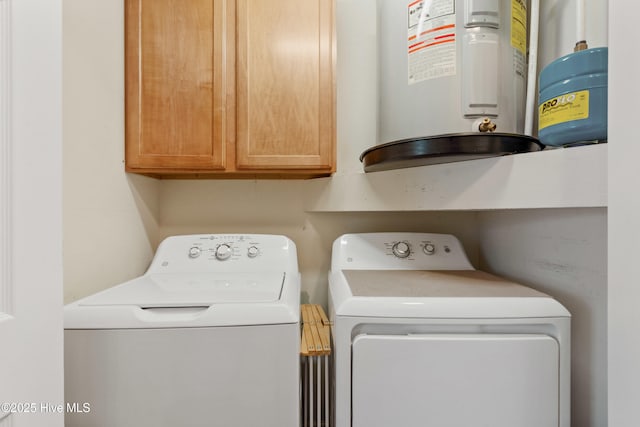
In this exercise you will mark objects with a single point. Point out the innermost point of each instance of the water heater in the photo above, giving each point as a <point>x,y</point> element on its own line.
<point>446,65</point>
<point>450,67</point>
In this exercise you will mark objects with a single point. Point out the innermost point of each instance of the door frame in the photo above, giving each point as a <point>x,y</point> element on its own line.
<point>31,329</point>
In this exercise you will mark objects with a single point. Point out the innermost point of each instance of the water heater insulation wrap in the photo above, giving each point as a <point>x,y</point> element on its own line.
<point>573,98</point>
<point>444,65</point>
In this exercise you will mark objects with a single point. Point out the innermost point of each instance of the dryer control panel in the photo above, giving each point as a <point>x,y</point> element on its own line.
<point>410,251</point>
<point>225,252</point>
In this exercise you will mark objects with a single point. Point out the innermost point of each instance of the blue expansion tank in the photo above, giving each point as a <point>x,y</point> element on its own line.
<point>573,99</point>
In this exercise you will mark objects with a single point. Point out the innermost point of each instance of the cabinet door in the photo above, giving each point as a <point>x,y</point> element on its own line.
<point>175,84</point>
<point>285,86</point>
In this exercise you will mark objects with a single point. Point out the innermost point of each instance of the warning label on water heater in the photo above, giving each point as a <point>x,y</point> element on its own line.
<point>431,39</point>
<point>519,25</point>
<point>519,36</point>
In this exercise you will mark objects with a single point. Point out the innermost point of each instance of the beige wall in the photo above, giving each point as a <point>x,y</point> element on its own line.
<point>110,220</point>
<point>276,207</point>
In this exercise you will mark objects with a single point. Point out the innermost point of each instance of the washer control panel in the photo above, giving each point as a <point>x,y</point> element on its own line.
<point>230,252</point>
<point>399,250</point>
<point>224,248</point>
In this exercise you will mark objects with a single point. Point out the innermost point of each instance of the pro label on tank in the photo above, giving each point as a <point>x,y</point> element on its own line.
<point>564,108</point>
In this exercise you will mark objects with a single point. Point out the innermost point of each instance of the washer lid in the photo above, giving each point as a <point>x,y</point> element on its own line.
<point>192,289</point>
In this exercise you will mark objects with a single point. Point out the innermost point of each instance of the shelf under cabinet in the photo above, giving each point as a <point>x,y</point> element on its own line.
<point>554,178</point>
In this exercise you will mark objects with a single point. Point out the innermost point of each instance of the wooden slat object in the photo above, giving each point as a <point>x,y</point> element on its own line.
<point>316,331</point>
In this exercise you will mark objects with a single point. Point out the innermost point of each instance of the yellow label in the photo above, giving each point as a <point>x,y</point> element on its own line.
<point>519,25</point>
<point>564,108</point>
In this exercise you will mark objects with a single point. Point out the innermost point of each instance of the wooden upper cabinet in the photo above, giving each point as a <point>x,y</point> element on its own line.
<point>285,105</point>
<point>175,84</point>
<point>230,87</point>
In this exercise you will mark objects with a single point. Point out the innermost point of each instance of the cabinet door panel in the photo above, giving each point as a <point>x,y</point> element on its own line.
<point>175,84</point>
<point>285,88</point>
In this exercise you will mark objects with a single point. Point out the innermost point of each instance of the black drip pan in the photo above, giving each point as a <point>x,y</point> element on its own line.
<point>447,148</point>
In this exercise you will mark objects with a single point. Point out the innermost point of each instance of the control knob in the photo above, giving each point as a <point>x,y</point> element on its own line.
<point>401,249</point>
<point>223,252</point>
<point>194,252</point>
<point>429,249</point>
<point>253,251</point>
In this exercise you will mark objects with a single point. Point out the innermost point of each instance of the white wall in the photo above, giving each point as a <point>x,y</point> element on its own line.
<point>558,27</point>
<point>356,81</point>
<point>624,225</point>
<point>110,219</point>
<point>562,252</point>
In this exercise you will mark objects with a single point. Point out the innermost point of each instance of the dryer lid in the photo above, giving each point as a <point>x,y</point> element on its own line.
<point>433,283</point>
<point>192,289</point>
<point>442,294</point>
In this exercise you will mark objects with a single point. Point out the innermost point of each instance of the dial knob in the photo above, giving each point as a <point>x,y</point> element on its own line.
<point>429,249</point>
<point>401,249</point>
<point>223,252</point>
<point>194,252</point>
<point>253,252</point>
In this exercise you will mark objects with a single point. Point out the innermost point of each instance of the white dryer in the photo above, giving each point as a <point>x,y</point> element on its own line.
<point>208,336</point>
<point>423,339</point>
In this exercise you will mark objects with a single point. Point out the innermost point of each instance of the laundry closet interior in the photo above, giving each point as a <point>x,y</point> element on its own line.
<point>536,218</point>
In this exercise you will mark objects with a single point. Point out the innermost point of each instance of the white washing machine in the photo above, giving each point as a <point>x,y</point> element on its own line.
<point>423,339</point>
<point>208,336</point>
